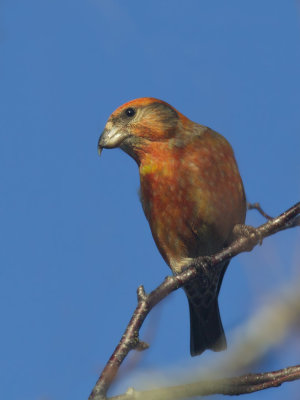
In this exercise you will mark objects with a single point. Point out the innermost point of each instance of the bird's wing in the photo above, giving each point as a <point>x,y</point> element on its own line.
<point>214,188</point>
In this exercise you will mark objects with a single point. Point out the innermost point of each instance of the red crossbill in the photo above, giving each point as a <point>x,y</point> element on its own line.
<point>192,195</point>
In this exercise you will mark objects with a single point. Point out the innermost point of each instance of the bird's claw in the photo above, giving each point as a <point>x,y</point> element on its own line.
<point>248,232</point>
<point>202,263</point>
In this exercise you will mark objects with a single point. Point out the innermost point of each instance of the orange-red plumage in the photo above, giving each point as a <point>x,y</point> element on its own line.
<point>192,196</point>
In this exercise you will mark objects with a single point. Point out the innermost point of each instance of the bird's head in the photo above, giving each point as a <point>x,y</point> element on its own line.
<point>139,123</point>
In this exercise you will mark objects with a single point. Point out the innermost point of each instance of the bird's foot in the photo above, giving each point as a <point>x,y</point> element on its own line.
<point>250,233</point>
<point>200,263</point>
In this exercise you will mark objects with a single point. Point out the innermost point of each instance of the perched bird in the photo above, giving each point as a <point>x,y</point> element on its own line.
<point>192,195</point>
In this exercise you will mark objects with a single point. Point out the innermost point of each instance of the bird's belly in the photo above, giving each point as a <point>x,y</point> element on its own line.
<point>169,213</point>
<point>186,222</point>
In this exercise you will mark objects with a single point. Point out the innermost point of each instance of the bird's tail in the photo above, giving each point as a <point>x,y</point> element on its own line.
<point>206,326</point>
<point>206,333</point>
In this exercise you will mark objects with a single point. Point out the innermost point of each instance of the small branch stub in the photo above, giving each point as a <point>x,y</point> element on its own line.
<point>141,346</point>
<point>141,294</point>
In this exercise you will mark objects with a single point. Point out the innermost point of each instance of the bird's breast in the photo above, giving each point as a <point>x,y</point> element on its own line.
<point>168,209</point>
<point>192,198</point>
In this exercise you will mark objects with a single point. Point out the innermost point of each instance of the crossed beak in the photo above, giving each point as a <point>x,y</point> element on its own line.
<point>111,137</point>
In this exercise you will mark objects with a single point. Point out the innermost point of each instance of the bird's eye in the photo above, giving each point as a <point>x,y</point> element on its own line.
<point>130,112</point>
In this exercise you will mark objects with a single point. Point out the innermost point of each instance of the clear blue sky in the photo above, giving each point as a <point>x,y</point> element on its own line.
<point>74,241</point>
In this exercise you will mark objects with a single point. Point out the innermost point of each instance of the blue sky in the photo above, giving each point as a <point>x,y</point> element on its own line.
<point>74,241</point>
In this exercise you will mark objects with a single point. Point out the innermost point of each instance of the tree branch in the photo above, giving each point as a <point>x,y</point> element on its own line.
<point>130,339</point>
<point>229,386</point>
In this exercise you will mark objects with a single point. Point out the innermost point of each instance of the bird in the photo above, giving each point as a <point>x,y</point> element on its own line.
<point>192,195</point>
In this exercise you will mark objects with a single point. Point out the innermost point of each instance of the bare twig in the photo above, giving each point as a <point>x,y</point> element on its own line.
<point>256,206</point>
<point>229,386</point>
<point>130,339</point>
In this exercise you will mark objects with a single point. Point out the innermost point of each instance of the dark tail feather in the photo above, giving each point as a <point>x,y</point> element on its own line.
<point>206,329</point>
